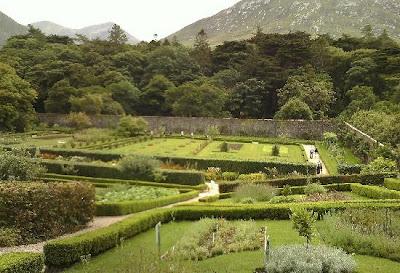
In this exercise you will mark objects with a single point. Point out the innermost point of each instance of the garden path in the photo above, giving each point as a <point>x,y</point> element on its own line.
<point>103,221</point>
<point>315,159</point>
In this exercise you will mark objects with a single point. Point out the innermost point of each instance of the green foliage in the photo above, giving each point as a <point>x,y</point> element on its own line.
<point>129,126</point>
<point>380,165</point>
<point>120,207</point>
<point>19,165</point>
<point>286,190</point>
<point>197,243</point>
<point>229,176</point>
<point>374,192</point>
<point>140,167</point>
<point>9,237</point>
<point>294,108</point>
<point>78,120</point>
<point>255,192</point>
<point>152,99</point>
<point>21,263</point>
<point>392,184</point>
<point>366,231</point>
<point>314,188</point>
<point>275,150</point>
<point>16,102</point>
<point>304,223</point>
<point>224,147</point>
<point>40,211</point>
<point>318,259</point>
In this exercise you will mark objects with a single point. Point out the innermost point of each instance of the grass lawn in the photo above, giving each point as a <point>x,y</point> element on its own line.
<point>331,162</point>
<point>188,148</point>
<point>28,141</point>
<point>136,252</point>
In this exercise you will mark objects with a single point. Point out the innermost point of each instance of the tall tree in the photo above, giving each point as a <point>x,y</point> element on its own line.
<point>202,52</point>
<point>117,36</point>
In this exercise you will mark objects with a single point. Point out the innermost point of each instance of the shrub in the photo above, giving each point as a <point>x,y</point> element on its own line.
<point>19,165</point>
<point>256,192</point>
<point>141,167</point>
<point>330,138</point>
<point>44,210</point>
<point>21,263</point>
<point>275,150</point>
<point>230,176</point>
<point>78,120</point>
<point>212,131</point>
<point>286,190</point>
<point>282,199</point>
<point>129,126</point>
<point>392,184</point>
<point>380,165</point>
<point>313,259</point>
<point>251,177</point>
<point>224,147</point>
<point>374,192</point>
<point>304,223</point>
<point>365,231</point>
<point>349,168</point>
<point>9,237</point>
<point>314,188</point>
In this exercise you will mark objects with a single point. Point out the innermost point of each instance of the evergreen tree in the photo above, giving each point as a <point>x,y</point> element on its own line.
<point>117,36</point>
<point>202,52</point>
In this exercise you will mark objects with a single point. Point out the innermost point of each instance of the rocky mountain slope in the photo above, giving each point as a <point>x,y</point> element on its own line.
<point>8,28</point>
<point>96,31</point>
<point>281,16</point>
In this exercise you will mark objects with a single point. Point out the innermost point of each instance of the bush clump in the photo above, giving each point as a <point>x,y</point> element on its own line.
<point>21,263</point>
<point>313,259</point>
<point>18,165</point>
<point>275,150</point>
<point>78,121</point>
<point>39,211</point>
<point>141,167</point>
<point>251,193</point>
<point>314,188</point>
<point>129,126</point>
<point>224,147</point>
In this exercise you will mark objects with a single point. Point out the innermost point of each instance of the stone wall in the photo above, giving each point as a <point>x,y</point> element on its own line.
<point>313,129</point>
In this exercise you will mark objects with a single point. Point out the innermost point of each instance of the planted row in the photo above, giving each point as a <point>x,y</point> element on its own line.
<point>374,192</point>
<point>21,263</point>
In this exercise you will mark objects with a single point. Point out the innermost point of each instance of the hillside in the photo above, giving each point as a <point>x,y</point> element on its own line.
<point>96,31</point>
<point>281,16</point>
<point>8,28</point>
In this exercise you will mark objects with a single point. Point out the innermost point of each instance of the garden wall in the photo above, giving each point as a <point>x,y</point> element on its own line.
<point>313,129</point>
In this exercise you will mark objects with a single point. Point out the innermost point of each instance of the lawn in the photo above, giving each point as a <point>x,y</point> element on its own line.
<point>330,161</point>
<point>133,254</point>
<point>197,148</point>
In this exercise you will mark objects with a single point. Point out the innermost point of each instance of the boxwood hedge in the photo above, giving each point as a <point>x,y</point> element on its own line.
<point>392,184</point>
<point>367,179</point>
<point>21,263</point>
<point>128,207</point>
<point>103,171</point>
<point>374,192</point>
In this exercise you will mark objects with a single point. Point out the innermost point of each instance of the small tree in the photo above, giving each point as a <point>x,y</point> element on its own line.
<point>380,165</point>
<point>212,131</point>
<point>18,165</point>
<point>131,126</point>
<point>78,121</point>
<point>275,150</point>
<point>224,147</point>
<point>304,223</point>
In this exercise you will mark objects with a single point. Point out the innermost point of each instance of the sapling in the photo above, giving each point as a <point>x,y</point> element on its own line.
<point>304,222</point>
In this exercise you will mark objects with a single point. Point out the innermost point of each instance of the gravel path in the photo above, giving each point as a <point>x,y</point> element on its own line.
<point>100,222</point>
<point>315,159</point>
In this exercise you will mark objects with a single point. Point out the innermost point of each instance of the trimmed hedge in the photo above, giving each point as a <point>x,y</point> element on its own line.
<point>64,252</point>
<point>374,192</point>
<point>104,171</point>
<point>21,262</point>
<point>350,168</point>
<point>330,187</point>
<point>367,179</point>
<point>200,163</point>
<point>110,181</point>
<point>209,199</point>
<point>392,184</point>
<point>45,210</point>
<point>128,207</point>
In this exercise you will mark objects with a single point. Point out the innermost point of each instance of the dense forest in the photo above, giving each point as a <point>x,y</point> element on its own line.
<point>283,76</point>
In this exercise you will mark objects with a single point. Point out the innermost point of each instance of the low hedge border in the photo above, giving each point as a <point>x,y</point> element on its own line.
<point>21,262</point>
<point>64,252</point>
<point>199,163</point>
<point>102,171</point>
<point>374,192</point>
<point>128,207</point>
<point>368,179</point>
<point>392,184</point>
<point>110,181</point>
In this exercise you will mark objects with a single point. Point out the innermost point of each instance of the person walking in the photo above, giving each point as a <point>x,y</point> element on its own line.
<point>311,153</point>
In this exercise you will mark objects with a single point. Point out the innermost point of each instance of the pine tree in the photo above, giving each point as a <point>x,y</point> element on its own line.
<point>117,36</point>
<point>202,52</point>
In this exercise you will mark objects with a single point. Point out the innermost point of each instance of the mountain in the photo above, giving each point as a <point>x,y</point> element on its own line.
<point>8,28</point>
<point>96,31</point>
<point>281,16</point>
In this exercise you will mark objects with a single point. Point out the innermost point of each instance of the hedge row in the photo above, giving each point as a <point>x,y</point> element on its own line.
<point>367,179</point>
<point>110,181</point>
<point>64,252</point>
<point>199,163</point>
<point>21,263</point>
<point>374,192</point>
<point>330,187</point>
<point>128,207</point>
<point>350,168</point>
<point>45,210</point>
<point>392,184</point>
<point>103,171</point>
